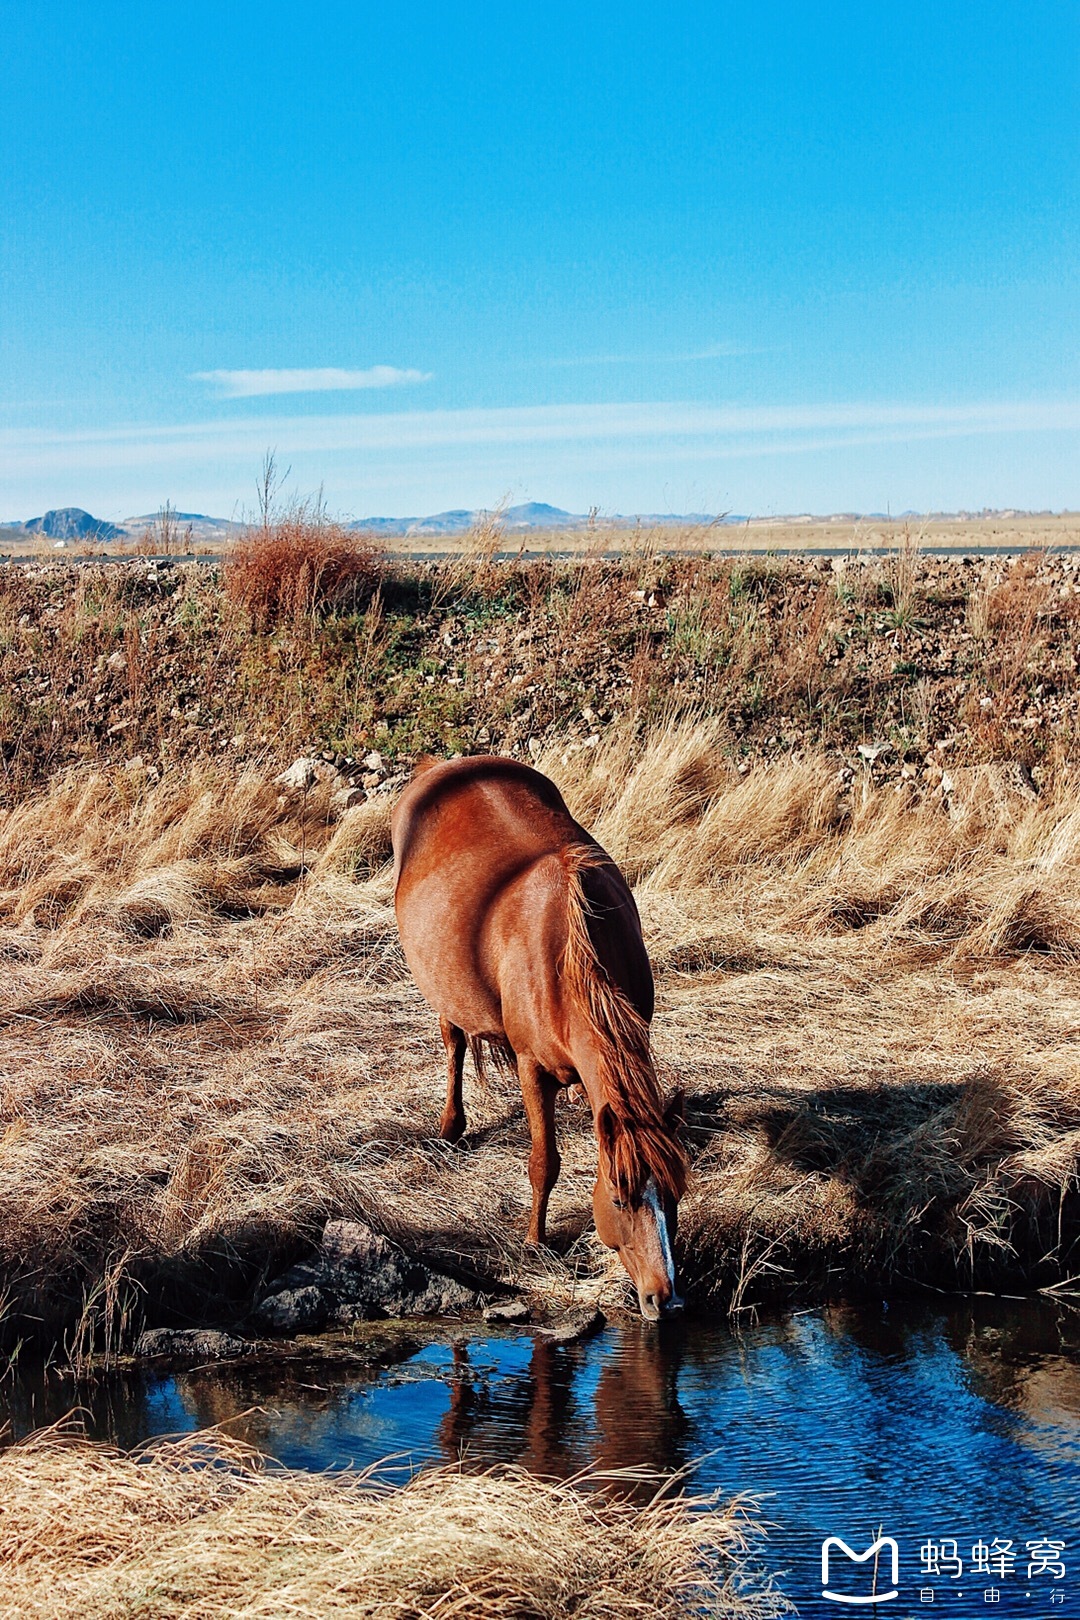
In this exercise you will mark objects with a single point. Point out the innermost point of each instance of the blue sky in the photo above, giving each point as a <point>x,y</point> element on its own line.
<point>761,258</point>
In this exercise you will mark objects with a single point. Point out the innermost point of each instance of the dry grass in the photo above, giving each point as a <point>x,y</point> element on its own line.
<point>209,1043</point>
<point>197,1528</point>
<point>289,572</point>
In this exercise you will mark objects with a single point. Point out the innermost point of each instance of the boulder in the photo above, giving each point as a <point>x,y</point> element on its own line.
<point>190,1344</point>
<point>359,1275</point>
<point>580,1324</point>
<point>507,1310</point>
<point>292,1310</point>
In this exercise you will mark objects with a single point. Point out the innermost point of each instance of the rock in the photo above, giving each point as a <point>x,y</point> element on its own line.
<point>116,661</point>
<point>293,1310</point>
<point>990,790</point>
<point>360,1274</point>
<point>374,761</point>
<point>345,798</point>
<point>191,1344</point>
<point>298,777</point>
<point>389,784</point>
<point>580,1324</point>
<point>509,1310</point>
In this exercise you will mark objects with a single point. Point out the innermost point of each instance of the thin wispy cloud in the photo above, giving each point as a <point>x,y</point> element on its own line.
<point>665,430</point>
<point>712,351</point>
<point>307,380</point>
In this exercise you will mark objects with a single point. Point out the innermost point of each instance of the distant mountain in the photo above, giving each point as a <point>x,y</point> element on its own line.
<point>532,516</point>
<point>202,528</point>
<point>72,523</point>
<point>178,517</point>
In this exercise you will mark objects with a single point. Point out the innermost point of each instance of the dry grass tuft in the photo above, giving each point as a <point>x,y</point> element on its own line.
<point>195,1528</point>
<point>288,572</point>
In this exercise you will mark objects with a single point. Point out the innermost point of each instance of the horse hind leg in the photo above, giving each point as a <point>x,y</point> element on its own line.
<point>452,1123</point>
<point>538,1089</point>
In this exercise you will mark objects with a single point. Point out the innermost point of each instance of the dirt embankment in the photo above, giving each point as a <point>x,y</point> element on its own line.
<point>901,668</point>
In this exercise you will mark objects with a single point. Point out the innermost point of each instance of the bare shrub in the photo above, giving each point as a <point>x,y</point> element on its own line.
<point>290,571</point>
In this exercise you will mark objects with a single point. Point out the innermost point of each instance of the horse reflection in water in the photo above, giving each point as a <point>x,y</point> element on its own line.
<point>543,1419</point>
<point>522,934</point>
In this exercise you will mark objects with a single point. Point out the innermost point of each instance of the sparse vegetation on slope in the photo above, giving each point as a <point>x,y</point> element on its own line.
<point>306,641</point>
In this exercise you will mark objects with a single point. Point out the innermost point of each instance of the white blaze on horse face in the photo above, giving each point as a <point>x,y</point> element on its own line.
<point>652,1201</point>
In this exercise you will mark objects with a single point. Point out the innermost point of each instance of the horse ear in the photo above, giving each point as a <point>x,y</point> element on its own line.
<point>675,1110</point>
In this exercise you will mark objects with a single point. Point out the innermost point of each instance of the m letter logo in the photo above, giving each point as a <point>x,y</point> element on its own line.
<point>836,1545</point>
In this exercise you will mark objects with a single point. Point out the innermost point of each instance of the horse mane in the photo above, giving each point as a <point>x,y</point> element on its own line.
<point>642,1143</point>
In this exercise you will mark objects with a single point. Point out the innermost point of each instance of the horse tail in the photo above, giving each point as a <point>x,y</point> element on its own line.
<point>641,1143</point>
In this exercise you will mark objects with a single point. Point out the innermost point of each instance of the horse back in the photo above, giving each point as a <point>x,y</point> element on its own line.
<point>483,849</point>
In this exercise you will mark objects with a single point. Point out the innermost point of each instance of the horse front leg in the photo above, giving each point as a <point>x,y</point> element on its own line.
<point>538,1090</point>
<point>452,1123</point>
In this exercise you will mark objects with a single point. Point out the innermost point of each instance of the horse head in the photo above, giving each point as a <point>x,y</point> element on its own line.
<point>635,1205</point>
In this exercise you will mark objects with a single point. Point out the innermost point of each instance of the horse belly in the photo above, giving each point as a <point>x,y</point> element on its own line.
<point>442,952</point>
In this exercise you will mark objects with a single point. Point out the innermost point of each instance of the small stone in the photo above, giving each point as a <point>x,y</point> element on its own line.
<point>191,1344</point>
<point>535,746</point>
<point>116,661</point>
<point>345,798</point>
<point>575,1325</point>
<point>509,1310</point>
<point>374,761</point>
<point>298,777</point>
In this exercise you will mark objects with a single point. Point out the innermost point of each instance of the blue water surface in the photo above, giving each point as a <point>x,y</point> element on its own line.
<point>951,1422</point>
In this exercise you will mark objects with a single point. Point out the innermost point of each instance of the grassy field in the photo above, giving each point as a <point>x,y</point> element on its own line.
<point>209,1043</point>
<point>202,1527</point>
<point>848,804</point>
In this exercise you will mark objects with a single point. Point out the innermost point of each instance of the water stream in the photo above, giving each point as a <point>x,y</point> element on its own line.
<point>933,1423</point>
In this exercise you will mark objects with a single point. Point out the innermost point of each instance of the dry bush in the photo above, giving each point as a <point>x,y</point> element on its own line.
<point>195,1528</point>
<point>291,570</point>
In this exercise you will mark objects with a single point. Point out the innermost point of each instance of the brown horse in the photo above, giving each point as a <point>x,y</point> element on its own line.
<point>522,933</point>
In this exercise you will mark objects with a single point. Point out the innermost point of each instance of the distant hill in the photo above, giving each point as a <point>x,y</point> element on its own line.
<point>67,524</point>
<point>202,527</point>
<point>533,515</point>
<point>72,523</point>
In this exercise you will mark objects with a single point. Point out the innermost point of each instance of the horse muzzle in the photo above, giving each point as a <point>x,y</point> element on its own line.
<point>657,1306</point>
